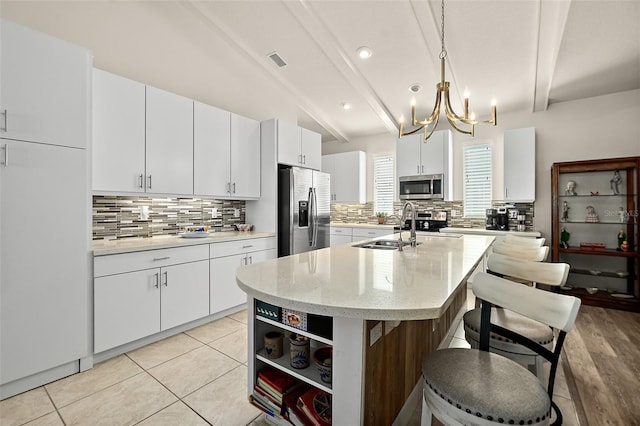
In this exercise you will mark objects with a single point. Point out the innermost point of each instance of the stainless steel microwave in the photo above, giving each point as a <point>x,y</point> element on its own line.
<point>421,187</point>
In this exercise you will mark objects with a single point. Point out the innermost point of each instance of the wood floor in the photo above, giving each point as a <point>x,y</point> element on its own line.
<point>602,367</point>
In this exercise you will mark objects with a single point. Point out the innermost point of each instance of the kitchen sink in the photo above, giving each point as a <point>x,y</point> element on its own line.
<point>382,244</point>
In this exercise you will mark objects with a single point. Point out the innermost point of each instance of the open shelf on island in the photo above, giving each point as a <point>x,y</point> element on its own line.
<point>309,375</point>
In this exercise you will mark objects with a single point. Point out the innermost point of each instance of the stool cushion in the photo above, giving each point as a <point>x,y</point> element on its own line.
<point>532,329</point>
<point>487,385</point>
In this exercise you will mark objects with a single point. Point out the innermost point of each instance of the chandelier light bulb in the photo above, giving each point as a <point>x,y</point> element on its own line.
<point>494,102</point>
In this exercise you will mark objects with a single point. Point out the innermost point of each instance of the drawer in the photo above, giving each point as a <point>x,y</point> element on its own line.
<point>340,231</point>
<point>241,246</point>
<point>371,233</point>
<point>128,262</point>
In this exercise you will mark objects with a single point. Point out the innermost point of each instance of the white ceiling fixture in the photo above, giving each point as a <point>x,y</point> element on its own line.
<point>364,52</point>
<point>346,106</point>
<point>443,92</point>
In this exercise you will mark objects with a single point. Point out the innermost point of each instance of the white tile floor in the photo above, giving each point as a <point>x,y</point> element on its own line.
<point>194,378</point>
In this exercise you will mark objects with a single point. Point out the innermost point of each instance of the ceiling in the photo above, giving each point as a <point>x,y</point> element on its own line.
<point>527,54</point>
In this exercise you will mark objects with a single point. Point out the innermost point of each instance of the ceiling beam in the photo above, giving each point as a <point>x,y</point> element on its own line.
<point>552,19</point>
<point>304,12</point>
<point>222,30</point>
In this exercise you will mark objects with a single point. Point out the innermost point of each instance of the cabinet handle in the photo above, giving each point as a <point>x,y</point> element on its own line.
<point>157,276</point>
<point>251,259</point>
<point>228,188</point>
<point>5,127</point>
<point>141,180</point>
<point>304,159</point>
<point>300,159</point>
<point>5,158</point>
<point>506,192</point>
<point>422,169</point>
<point>418,168</point>
<point>149,182</point>
<point>234,187</point>
<point>249,246</point>
<point>155,259</point>
<point>166,279</point>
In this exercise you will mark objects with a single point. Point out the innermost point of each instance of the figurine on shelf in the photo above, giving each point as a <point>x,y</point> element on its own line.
<point>571,188</point>
<point>592,216</point>
<point>625,246</point>
<point>623,215</point>
<point>622,237</point>
<point>565,211</point>
<point>564,238</point>
<point>615,181</point>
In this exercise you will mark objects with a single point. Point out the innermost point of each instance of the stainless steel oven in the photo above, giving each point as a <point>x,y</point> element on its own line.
<point>421,187</point>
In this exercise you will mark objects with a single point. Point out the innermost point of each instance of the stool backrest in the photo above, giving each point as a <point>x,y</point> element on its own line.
<point>524,241</point>
<point>556,310</point>
<point>539,272</point>
<point>534,254</point>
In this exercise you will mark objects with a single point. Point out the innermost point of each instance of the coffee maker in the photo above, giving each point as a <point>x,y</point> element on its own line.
<point>492,219</point>
<point>502,218</point>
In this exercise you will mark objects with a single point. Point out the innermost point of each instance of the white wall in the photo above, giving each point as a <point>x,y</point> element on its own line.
<point>600,127</point>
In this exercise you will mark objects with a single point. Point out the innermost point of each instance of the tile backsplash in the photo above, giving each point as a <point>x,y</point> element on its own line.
<point>364,213</point>
<point>116,217</point>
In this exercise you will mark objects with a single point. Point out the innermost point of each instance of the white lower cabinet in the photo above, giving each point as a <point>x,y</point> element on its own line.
<point>343,235</point>
<point>139,294</point>
<point>225,259</point>
<point>340,235</point>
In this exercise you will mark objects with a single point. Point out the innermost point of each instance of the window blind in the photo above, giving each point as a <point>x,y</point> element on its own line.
<point>477,180</point>
<point>383,188</point>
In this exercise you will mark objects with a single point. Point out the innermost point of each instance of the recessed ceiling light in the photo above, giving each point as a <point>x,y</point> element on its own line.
<point>415,88</point>
<point>364,52</point>
<point>346,106</point>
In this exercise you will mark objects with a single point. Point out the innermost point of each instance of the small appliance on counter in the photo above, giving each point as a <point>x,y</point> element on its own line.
<point>521,218</point>
<point>502,217</point>
<point>427,222</point>
<point>492,219</point>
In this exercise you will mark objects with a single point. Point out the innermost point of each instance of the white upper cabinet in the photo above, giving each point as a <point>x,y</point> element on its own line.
<point>520,164</point>
<point>118,133</point>
<point>311,149</point>
<point>298,146</point>
<point>211,150</point>
<point>245,157</point>
<point>169,143</point>
<point>40,79</point>
<point>415,157</point>
<point>348,176</point>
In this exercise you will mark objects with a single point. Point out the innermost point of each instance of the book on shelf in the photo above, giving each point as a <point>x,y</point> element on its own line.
<point>292,411</point>
<point>271,417</point>
<point>264,394</point>
<point>277,380</point>
<point>266,402</point>
<point>316,407</point>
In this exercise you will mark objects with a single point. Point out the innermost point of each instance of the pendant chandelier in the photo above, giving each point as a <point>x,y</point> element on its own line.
<point>430,123</point>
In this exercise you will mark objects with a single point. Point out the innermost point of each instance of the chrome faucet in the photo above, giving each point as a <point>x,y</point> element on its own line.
<point>412,237</point>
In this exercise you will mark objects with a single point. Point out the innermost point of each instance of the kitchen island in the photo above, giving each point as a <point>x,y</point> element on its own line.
<point>387,310</point>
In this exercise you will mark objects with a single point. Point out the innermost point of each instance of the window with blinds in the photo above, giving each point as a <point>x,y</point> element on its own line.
<point>477,180</point>
<point>383,188</point>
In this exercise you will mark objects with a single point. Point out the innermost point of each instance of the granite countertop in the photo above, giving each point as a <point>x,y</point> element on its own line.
<point>129,245</point>
<point>346,281</point>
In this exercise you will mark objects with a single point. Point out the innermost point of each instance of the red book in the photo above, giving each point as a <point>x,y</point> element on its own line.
<point>295,414</point>
<point>278,380</point>
<point>316,406</point>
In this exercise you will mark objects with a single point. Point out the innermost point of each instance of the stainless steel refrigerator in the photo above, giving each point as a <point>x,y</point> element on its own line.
<point>304,205</point>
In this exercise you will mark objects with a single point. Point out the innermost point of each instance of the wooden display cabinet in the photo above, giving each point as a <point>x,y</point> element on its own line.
<point>594,217</point>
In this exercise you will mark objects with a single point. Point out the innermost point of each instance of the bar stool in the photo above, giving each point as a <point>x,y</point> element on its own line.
<point>554,274</point>
<point>535,254</point>
<point>477,387</point>
<point>528,242</point>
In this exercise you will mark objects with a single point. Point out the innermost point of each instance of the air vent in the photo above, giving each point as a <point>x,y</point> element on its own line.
<point>277,59</point>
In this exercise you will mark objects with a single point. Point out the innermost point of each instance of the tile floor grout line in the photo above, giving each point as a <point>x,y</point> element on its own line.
<point>57,411</point>
<point>163,362</point>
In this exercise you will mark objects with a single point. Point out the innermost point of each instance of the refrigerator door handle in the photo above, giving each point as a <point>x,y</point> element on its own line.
<point>316,221</point>
<point>311,220</point>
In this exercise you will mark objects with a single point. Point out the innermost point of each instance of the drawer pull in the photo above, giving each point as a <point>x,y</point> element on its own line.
<point>249,246</point>
<point>156,259</point>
